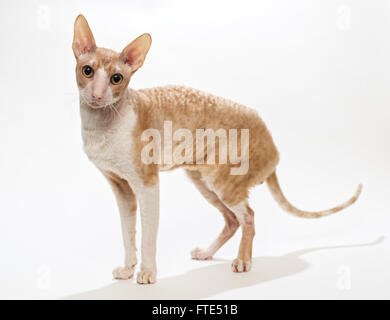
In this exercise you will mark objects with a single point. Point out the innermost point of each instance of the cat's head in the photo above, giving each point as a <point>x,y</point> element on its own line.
<point>102,74</point>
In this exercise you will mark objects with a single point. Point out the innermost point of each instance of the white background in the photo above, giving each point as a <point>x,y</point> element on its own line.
<point>316,71</point>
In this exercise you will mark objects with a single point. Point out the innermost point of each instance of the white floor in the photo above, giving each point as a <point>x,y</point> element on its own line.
<point>316,73</point>
<point>69,252</point>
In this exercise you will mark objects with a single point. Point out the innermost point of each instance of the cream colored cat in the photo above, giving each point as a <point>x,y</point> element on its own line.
<point>114,120</point>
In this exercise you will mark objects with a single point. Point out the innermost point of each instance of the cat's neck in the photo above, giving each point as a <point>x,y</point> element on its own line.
<point>104,118</point>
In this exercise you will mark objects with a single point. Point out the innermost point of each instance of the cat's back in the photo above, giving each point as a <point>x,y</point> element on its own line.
<point>188,106</point>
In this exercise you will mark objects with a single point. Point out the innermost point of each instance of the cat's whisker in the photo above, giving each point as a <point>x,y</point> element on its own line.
<point>113,106</point>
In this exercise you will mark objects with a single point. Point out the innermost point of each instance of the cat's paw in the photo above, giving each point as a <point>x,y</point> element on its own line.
<point>201,254</point>
<point>239,265</point>
<point>146,277</point>
<point>123,273</point>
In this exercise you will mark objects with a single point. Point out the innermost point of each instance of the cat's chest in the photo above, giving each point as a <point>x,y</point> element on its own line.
<point>109,150</point>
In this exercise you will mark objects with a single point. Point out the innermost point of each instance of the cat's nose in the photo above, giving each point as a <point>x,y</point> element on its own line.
<point>97,96</point>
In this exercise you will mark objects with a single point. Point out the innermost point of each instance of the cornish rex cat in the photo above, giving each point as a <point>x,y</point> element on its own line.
<point>122,130</point>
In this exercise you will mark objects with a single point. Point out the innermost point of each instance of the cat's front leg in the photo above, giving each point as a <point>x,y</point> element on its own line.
<point>148,197</point>
<point>127,204</point>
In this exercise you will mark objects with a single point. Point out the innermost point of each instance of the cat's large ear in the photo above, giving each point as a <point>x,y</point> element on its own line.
<point>134,54</point>
<point>83,40</point>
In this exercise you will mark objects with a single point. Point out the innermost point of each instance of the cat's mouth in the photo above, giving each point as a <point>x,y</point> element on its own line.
<point>98,104</point>
<point>95,104</point>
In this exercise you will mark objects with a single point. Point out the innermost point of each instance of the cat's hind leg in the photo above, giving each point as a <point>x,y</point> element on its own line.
<point>231,222</point>
<point>245,216</point>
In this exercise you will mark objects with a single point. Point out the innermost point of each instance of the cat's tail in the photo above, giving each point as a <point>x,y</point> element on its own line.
<point>273,185</point>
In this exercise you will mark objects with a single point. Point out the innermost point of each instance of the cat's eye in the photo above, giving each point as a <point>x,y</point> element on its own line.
<point>88,71</point>
<point>116,78</point>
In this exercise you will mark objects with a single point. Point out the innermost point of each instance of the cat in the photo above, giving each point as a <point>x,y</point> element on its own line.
<point>114,120</point>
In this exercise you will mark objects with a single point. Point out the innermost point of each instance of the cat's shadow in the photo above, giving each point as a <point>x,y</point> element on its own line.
<point>211,280</point>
